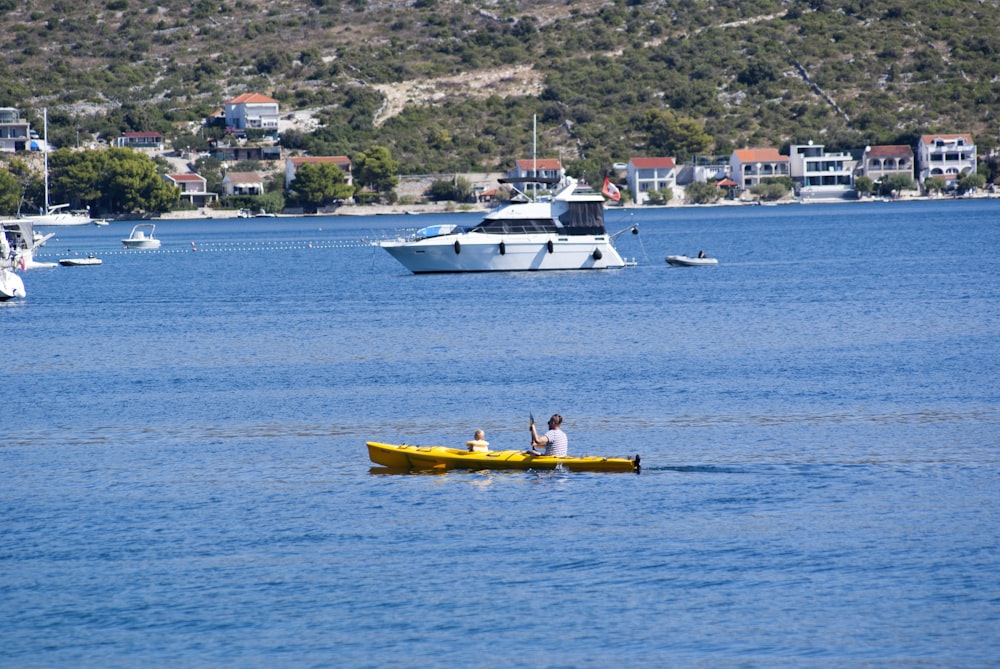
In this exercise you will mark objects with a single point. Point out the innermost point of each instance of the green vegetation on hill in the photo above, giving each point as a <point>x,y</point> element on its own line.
<point>845,73</point>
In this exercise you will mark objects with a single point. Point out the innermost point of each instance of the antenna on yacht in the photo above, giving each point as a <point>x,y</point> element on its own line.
<point>534,156</point>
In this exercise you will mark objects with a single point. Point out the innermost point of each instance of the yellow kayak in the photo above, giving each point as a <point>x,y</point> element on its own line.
<point>407,456</point>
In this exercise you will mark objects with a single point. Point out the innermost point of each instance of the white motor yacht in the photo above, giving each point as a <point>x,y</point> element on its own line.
<point>564,231</point>
<point>11,285</point>
<point>21,240</point>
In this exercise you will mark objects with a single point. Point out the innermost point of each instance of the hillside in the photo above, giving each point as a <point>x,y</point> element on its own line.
<point>453,86</point>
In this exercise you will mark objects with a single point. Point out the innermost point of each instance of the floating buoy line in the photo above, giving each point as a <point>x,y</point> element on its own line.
<point>223,247</point>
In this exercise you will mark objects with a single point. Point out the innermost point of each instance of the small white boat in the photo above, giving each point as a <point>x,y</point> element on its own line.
<point>142,237</point>
<point>79,262</point>
<point>685,261</point>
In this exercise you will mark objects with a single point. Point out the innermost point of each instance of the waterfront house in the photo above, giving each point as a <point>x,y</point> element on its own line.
<point>650,174</point>
<point>293,164</point>
<point>883,161</point>
<point>242,183</point>
<point>252,111</point>
<point>194,188</point>
<point>819,174</point>
<point>946,156</point>
<point>749,167</point>
<point>140,140</point>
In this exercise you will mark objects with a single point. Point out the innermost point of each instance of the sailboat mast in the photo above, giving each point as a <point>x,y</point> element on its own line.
<point>45,134</point>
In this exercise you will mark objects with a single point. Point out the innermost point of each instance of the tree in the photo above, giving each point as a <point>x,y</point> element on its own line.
<point>458,190</point>
<point>377,170</point>
<point>699,192</point>
<point>864,185</point>
<point>892,186</point>
<point>662,196</point>
<point>970,182</point>
<point>10,193</point>
<point>770,190</point>
<point>670,135</point>
<point>932,184</point>
<point>116,180</point>
<point>317,184</point>
<point>25,186</point>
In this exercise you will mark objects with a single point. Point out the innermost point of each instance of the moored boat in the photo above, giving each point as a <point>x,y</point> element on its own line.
<point>56,215</point>
<point>142,237</point>
<point>79,262</point>
<point>409,456</point>
<point>565,231</point>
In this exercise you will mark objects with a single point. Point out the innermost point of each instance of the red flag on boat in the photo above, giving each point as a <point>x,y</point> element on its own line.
<point>610,190</point>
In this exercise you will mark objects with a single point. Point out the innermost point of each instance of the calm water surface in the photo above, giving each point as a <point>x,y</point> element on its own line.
<point>185,483</point>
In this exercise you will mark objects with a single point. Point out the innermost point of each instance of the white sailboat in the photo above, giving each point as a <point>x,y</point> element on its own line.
<point>56,214</point>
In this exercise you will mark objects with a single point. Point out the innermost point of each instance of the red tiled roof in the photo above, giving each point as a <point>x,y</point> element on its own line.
<point>140,135</point>
<point>539,163</point>
<point>889,151</point>
<point>186,177</point>
<point>250,98</point>
<point>759,156</point>
<point>647,163</point>
<point>244,177</point>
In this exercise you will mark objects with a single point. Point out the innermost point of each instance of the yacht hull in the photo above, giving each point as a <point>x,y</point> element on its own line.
<point>479,252</point>
<point>11,285</point>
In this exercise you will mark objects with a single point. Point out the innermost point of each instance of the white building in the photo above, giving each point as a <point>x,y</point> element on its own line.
<point>194,188</point>
<point>14,132</point>
<point>141,140</point>
<point>884,161</point>
<point>242,183</point>
<point>650,174</point>
<point>946,156</point>
<point>820,174</point>
<point>252,111</point>
<point>749,167</point>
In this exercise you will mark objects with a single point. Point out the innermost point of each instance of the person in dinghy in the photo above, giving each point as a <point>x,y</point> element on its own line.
<point>554,442</point>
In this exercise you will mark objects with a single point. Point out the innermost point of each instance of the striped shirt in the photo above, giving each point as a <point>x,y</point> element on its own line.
<point>557,444</point>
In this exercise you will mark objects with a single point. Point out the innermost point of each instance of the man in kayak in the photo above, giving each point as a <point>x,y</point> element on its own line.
<point>554,441</point>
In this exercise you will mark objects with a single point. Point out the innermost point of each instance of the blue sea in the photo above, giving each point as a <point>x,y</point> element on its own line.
<point>184,480</point>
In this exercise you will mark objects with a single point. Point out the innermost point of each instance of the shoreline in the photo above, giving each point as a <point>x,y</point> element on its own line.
<point>452,208</point>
